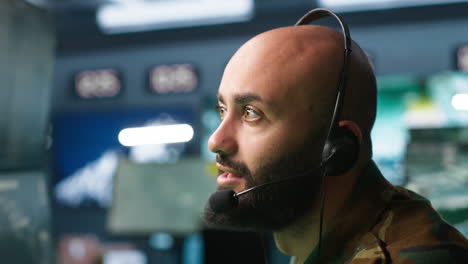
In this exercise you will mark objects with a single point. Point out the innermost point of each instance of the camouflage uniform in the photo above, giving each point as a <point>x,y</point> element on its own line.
<point>385,224</point>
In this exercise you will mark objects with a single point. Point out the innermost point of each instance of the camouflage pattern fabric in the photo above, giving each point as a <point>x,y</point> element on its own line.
<point>385,224</point>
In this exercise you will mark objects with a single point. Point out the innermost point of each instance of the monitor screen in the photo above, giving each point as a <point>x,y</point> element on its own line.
<point>86,150</point>
<point>166,197</point>
<point>436,168</point>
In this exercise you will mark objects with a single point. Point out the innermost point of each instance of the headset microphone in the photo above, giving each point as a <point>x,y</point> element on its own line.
<point>225,200</point>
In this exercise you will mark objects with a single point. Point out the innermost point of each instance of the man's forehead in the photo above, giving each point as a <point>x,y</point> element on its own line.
<point>283,66</point>
<point>250,82</point>
<point>265,88</point>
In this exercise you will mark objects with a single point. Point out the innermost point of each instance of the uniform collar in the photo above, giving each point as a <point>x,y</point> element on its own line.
<point>360,213</point>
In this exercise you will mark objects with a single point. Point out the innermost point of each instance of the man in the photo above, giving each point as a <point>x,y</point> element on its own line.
<point>276,100</point>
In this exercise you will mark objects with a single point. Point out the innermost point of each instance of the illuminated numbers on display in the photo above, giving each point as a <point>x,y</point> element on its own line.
<point>97,84</point>
<point>178,78</point>
<point>462,58</point>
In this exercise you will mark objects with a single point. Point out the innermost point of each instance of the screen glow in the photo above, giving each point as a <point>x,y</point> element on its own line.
<point>150,135</point>
<point>460,101</point>
<point>177,78</point>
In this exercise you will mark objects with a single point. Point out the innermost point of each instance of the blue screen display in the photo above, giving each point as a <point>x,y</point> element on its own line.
<point>86,148</point>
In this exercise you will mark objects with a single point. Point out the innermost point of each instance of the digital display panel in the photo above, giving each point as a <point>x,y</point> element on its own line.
<point>86,151</point>
<point>161,197</point>
<point>97,84</point>
<point>176,78</point>
<point>436,168</point>
<point>25,218</point>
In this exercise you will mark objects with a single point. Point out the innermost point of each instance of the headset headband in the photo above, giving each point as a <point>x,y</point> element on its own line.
<point>316,14</point>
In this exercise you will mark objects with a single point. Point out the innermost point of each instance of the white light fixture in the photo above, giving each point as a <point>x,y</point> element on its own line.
<point>460,101</point>
<point>164,134</point>
<point>362,5</point>
<point>128,16</point>
<point>122,256</point>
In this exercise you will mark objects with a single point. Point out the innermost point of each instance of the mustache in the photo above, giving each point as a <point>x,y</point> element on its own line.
<point>235,165</point>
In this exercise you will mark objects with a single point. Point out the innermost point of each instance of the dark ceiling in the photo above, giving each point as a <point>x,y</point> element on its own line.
<point>67,5</point>
<point>77,28</point>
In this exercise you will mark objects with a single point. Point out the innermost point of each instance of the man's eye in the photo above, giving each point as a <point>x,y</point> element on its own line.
<point>221,110</point>
<point>250,114</point>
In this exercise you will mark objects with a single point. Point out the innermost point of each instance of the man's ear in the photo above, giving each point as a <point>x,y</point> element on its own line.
<point>353,127</point>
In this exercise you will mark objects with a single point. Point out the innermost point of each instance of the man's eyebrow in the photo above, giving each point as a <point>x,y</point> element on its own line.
<point>242,99</point>
<point>246,98</point>
<point>220,98</point>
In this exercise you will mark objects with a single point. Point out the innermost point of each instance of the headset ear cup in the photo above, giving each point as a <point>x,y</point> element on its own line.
<point>340,152</point>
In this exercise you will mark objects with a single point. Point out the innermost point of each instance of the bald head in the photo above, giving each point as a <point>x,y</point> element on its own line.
<point>275,101</point>
<point>302,64</point>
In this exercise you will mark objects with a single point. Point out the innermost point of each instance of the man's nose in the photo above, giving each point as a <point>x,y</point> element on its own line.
<point>223,140</point>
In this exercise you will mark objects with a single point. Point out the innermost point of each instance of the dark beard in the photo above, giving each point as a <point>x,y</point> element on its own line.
<point>274,207</point>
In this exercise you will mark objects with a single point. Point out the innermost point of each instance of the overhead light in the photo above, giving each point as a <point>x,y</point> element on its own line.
<point>460,101</point>
<point>131,16</point>
<point>150,135</point>
<point>362,5</point>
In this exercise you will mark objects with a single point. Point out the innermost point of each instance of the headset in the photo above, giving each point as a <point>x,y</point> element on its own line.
<point>341,148</point>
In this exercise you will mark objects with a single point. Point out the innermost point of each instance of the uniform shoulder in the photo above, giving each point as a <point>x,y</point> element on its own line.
<point>413,232</point>
<point>444,253</point>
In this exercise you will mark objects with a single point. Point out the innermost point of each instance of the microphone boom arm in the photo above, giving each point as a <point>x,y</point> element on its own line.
<point>237,195</point>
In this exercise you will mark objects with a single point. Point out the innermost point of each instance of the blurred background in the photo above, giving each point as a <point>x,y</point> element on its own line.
<point>84,82</point>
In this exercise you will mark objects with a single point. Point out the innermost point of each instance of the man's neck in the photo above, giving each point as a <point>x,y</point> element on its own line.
<point>301,238</point>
